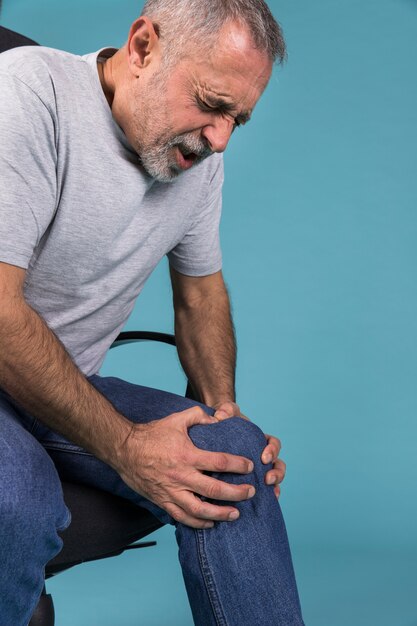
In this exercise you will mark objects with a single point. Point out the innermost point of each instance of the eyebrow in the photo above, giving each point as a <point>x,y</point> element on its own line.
<point>227,107</point>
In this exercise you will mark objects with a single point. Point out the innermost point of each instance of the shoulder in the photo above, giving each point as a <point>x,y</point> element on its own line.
<point>39,69</point>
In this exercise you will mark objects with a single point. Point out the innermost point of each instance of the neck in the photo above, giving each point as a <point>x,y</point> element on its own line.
<point>106,74</point>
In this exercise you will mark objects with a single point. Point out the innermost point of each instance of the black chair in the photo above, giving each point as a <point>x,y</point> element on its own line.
<point>103,525</point>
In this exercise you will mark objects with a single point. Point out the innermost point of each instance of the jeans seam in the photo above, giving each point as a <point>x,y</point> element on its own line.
<point>64,525</point>
<point>208,578</point>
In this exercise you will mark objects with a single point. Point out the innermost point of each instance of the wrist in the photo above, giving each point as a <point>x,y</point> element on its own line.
<point>113,449</point>
<point>214,398</point>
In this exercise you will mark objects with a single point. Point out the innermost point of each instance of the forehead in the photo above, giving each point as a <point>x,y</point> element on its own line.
<point>235,70</point>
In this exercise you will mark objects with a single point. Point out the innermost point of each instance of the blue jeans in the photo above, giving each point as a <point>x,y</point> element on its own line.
<point>236,574</point>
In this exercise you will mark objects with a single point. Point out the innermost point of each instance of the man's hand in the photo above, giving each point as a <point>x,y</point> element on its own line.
<point>207,350</point>
<point>159,461</point>
<point>270,454</point>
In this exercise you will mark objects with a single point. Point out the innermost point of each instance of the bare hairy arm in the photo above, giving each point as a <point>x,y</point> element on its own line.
<point>156,459</point>
<point>38,373</point>
<point>205,335</point>
<point>207,350</point>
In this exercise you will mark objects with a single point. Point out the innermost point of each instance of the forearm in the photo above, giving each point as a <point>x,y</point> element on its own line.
<point>38,373</point>
<point>206,346</point>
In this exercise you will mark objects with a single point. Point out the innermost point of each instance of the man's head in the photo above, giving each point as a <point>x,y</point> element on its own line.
<point>191,72</point>
<point>199,22</point>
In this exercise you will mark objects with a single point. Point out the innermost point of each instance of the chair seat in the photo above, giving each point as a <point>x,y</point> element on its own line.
<point>102,525</point>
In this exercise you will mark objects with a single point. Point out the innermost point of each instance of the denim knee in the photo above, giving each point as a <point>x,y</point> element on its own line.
<point>235,436</point>
<point>243,438</point>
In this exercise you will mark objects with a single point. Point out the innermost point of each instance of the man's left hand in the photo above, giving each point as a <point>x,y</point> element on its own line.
<point>270,454</point>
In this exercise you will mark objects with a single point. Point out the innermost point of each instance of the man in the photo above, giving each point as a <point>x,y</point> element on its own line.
<point>109,162</point>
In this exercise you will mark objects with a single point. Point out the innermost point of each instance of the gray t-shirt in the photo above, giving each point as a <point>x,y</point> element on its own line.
<point>78,210</point>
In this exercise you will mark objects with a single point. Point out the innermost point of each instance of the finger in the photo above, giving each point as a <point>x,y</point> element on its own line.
<point>271,478</point>
<point>277,491</point>
<point>192,416</point>
<point>221,414</point>
<point>221,462</point>
<point>179,515</point>
<point>272,450</point>
<point>277,474</point>
<point>220,490</point>
<point>280,469</point>
<point>202,510</point>
<point>226,410</point>
<point>274,441</point>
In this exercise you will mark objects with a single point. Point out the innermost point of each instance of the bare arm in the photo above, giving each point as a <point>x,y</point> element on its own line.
<point>207,349</point>
<point>36,370</point>
<point>157,459</point>
<point>205,335</point>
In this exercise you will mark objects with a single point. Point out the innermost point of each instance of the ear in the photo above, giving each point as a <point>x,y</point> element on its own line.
<point>143,45</point>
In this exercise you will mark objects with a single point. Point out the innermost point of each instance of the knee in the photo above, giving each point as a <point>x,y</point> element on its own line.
<point>234,435</point>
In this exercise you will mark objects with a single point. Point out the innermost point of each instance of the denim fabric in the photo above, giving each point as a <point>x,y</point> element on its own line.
<point>32,511</point>
<point>236,574</point>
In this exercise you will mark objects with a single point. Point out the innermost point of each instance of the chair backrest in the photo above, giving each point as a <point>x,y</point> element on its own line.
<point>9,39</point>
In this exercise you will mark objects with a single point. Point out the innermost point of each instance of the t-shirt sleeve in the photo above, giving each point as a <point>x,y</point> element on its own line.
<point>199,252</point>
<point>27,170</point>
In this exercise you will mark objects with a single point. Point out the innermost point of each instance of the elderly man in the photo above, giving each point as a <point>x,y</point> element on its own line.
<point>109,162</point>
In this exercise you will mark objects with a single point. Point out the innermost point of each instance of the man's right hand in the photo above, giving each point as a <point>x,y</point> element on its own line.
<point>159,461</point>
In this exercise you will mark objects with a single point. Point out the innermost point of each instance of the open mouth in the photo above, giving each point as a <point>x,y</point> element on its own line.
<point>187,154</point>
<point>185,158</point>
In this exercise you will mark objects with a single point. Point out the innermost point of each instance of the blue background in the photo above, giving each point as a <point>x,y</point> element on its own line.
<point>319,238</point>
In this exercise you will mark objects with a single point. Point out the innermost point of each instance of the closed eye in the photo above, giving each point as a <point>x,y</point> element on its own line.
<point>221,109</point>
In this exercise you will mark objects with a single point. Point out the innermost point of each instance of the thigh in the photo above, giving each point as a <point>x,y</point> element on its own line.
<point>137,403</point>
<point>141,405</point>
<point>30,489</point>
<point>32,511</point>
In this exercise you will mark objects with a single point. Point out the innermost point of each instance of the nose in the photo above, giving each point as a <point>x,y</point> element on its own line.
<point>217,134</point>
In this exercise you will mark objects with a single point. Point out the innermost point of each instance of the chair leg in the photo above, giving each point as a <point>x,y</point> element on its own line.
<point>44,614</point>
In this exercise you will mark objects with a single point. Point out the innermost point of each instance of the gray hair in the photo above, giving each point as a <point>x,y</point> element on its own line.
<point>181,22</point>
